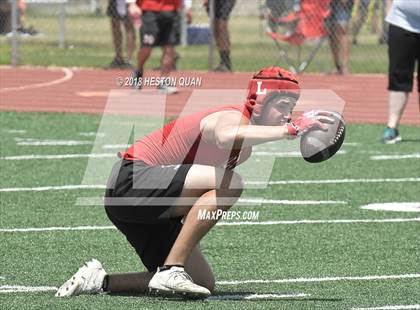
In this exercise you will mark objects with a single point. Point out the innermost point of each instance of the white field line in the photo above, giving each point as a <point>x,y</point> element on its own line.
<point>115,146</point>
<point>26,289</point>
<point>97,201</point>
<point>256,296</point>
<point>297,222</point>
<point>393,206</point>
<point>104,155</point>
<point>334,181</point>
<point>288,202</point>
<point>19,131</point>
<point>351,143</point>
<point>281,182</point>
<point>389,157</point>
<point>360,221</point>
<point>51,142</point>
<point>68,74</point>
<point>394,307</point>
<point>18,288</point>
<point>324,279</point>
<point>286,154</point>
<point>51,188</point>
<point>29,289</point>
<point>92,134</point>
<point>59,156</point>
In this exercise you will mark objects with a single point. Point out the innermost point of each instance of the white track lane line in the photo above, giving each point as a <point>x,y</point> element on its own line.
<point>68,75</point>
<point>298,222</point>
<point>393,307</point>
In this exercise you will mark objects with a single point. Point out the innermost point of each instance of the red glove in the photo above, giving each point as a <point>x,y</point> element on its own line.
<point>309,120</point>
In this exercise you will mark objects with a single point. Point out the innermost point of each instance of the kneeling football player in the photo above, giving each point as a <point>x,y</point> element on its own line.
<point>163,181</point>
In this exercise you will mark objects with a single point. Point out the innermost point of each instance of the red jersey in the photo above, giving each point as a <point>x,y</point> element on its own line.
<point>159,5</point>
<point>181,142</point>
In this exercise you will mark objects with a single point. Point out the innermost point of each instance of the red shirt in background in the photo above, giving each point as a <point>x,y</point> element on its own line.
<point>180,142</point>
<point>159,5</point>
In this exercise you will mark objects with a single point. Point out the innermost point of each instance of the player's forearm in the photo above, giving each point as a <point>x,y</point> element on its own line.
<point>249,135</point>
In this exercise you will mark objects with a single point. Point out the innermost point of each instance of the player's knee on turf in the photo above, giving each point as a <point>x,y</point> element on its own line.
<point>209,283</point>
<point>206,280</point>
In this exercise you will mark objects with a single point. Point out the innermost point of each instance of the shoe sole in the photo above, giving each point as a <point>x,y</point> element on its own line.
<point>173,293</point>
<point>69,288</point>
<point>392,141</point>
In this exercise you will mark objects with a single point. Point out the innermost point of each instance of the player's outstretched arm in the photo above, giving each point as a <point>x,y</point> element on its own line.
<point>231,130</point>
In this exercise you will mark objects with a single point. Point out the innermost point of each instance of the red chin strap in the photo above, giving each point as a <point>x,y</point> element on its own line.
<point>267,80</point>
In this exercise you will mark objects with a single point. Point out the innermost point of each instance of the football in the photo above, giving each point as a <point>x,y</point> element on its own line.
<point>317,145</point>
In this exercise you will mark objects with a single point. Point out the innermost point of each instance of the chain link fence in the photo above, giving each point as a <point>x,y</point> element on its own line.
<point>241,35</point>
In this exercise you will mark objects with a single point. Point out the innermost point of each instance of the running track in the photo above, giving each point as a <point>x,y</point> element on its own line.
<point>85,91</point>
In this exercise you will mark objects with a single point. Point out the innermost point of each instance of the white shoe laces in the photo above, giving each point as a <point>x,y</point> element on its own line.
<point>180,275</point>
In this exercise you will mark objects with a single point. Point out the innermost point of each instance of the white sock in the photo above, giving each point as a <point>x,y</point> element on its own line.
<point>397,102</point>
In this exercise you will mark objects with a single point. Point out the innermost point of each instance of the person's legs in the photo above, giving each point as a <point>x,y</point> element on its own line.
<point>149,32</point>
<point>223,42</point>
<point>196,266</point>
<point>215,189</point>
<point>397,102</point>
<point>402,58</point>
<point>222,9</point>
<point>362,10</point>
<point>117,38</point>
<point>130,38</point>
<point>167,60</point>
<point>339,45</point>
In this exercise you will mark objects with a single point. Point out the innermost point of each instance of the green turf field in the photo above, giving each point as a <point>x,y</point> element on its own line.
<point>88,44</point>
<point>301,255</point>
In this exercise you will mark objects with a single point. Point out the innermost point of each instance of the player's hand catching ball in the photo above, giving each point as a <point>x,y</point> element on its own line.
<point>309,120</point>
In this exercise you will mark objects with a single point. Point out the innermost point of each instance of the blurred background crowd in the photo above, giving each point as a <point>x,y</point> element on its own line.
<point>223,36</point>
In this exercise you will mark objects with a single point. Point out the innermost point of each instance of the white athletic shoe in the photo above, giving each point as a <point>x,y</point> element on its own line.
<point>167,90</point>
<point>175,281</point>
<point>87,280</point>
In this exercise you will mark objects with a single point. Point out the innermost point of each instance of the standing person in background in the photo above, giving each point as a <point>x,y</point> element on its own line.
<point>117,11</point>
<point>403,52</point>
<point>222,10</point>
<point>380,7</point>
<point>337,27</point>
<point>159,27</point>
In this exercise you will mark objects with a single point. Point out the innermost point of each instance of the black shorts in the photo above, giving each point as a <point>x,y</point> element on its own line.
<point>160,28</point>
<point>133,204</point>
<point>403,52</point>
<point>223,8</point>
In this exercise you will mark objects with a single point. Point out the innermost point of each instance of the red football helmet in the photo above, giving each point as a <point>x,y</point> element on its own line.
<point>268,80</point>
